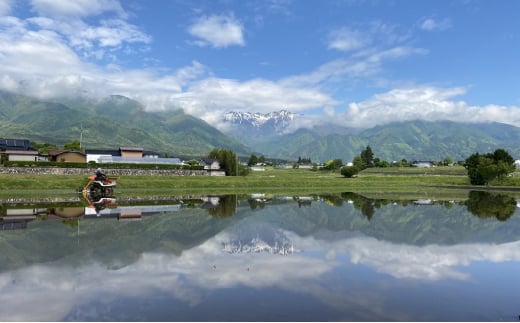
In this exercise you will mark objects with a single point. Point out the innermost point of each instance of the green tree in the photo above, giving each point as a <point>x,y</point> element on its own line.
<point>367,156</point>
<point>252,160</point>
<point>471,164</point>
<point>192,162</point>
<point>503,155</point>
<point>328,164</point>
<point>488,169</point>
<point>72,145</point>
<point>43,148</point>
<point>337,163</point>
<point>482,169</point>
<point>333,164</point>
<point>243,170</point>
<point>227,159</point>
<point>358,163</point>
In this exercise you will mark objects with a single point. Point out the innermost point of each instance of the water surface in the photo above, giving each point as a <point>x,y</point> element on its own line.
<point>338,257</point>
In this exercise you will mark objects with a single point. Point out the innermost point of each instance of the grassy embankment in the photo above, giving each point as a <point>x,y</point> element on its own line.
<point>437,183</point>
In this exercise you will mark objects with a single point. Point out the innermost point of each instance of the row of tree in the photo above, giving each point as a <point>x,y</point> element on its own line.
<point>482,168</point>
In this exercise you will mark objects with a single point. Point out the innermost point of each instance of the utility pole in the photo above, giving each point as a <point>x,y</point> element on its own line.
<point>81,136</point>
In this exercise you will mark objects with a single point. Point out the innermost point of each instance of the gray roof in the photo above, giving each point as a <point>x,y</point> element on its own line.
<point>110,152</point>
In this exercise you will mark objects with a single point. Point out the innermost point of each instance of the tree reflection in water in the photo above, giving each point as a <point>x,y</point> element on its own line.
<point>227,205</point>
<point>480,203</point>
<point>487,205</point>
<point>483,204</point>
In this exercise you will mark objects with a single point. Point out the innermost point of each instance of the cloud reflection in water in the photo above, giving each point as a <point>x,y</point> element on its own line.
<point>52,290</point>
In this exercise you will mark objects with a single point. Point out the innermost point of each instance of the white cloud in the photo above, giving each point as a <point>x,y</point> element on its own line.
<point>430,24</point>
<point>36,54</point>
<point>375,36</point>
<point>91,40</point>
<point>363,65</point>
<point>76,8</point>
<point>98,39</point>
<point>210,98</point>
<point>42,63</point>
<point>49,56</point>
<point>5,7</point>
<point>425,103</point>
<point>346,39</point>
<point>112,33</point>
<point>218,31</point>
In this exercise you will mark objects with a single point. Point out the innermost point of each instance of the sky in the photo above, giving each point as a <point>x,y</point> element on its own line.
<point>354,63</point>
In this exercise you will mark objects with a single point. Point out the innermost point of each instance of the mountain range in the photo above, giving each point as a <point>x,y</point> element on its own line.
<point>109,123</point>
<point>411,140</point>
<point>120,121</point>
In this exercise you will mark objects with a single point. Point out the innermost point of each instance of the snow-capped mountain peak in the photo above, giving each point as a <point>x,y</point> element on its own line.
<point>278,119</point>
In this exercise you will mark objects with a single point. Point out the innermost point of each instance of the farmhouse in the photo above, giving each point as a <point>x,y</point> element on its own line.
<point>212,166</point>
<point>18,150</point>
<point>21,155</point>
<point>71,156</point>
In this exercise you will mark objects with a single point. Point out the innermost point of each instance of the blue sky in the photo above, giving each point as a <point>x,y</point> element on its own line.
<point>356,63</point>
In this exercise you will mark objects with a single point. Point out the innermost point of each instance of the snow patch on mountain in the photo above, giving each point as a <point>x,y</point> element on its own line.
<point>279,119</point>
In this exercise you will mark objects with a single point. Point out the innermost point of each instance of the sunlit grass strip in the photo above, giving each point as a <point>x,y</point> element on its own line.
<point>440,181</point>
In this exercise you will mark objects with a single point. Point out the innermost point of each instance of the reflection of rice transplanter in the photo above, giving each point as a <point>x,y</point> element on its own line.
<point>99,188</point>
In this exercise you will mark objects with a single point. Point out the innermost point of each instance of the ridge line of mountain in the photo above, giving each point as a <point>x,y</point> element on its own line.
<point>120,121</point>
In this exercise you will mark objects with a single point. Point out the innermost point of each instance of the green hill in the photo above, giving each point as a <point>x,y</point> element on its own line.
<point>119,121</point>
<point>412,140</point>
<point>110,123</point>
<point>437,140</point>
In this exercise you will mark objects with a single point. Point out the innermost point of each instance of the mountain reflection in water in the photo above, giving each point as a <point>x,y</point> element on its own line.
<point>322,257</point>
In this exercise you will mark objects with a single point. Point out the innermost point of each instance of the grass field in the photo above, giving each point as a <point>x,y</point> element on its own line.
<point>438,182</point>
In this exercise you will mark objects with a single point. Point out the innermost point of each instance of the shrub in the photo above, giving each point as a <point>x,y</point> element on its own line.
<point>349,171</point>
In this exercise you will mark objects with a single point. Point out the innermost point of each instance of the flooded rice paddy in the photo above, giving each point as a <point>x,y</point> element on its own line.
<point>335,257</point>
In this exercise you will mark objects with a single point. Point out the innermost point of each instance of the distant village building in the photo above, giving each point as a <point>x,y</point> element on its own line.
<point>127,155</point>
<point>21,150</point>
<point>131,152</point>
<point>422,163</point>
<point>212,166</point>
<point>15,144</point>
<point>70,156</point>
<point>21,155</point>
<point>18,150</point>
